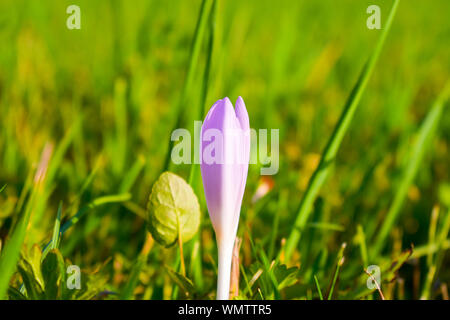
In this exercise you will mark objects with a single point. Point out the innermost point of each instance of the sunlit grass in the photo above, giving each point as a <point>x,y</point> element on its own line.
<point>86,118</point>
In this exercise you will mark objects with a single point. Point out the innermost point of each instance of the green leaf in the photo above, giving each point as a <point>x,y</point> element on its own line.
<point>318,287</point>
<point>32,285</point>
<point>92,285</point>
<point>15,294</point>
<point>183,282</point>
<point>285,276</point>
<point>173,210</point>
<point>34,258</point>
<point>53,271</point>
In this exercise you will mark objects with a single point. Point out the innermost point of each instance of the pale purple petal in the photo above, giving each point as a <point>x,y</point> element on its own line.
<point>244,157</point>
<point>224,182</point>
<point>241,114</point>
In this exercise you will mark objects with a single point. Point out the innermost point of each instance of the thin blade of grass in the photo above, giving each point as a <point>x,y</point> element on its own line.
<point>121,118</point>
<point>95,203</point>
<point>362,245</point>
<point>432,232</point>
<point>98,164</point>
<point>247,289</point>
<point>51,171</point>
<point>270,271</point>
<point>131,176</point>
<point>194,174</point>
<point>127,291</point>
<point>425,136</point>
<point>426,249</point>
<point>282,205</point>
<point>192,68</point>
<point>339,263</point>
<point>434,264</point>
<point>10,254</point>
<point>318,287</point>
<point>56,230</point>
<point>325,226</point>
<point>321,173</point>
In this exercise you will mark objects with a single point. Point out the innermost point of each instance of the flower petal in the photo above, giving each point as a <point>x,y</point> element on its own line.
<point>221,180</point>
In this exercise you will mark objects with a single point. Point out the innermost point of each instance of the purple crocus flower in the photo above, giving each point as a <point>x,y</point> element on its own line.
<point>225,153</point>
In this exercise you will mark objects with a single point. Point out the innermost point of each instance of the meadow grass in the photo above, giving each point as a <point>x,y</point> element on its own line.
<point>85,123</point>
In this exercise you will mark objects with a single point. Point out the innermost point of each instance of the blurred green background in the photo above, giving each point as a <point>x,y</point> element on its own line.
<point>101,102</point>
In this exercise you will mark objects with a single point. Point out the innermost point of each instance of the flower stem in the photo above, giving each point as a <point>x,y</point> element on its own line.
<point>224,272</point>
<point>180,244</point>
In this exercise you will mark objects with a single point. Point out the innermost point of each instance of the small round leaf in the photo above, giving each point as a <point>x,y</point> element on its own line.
<point>173,210</point>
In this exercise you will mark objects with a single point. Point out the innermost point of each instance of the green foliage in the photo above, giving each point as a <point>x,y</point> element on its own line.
<point>329,154</point>
<point>173,210</point>
<point>30,270</point>
<point>182,282</point>
<point>318,288</point>
<point>56,229</point>
<point>85,125</point>
<point>46,279</point>
<point>272,281</point>
<point>424,139</point>
<point>10,254</point>
<point>54,274</point>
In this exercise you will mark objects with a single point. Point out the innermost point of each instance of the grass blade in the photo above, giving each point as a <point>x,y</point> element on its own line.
<point>362,245</point>
<point>121,118</point>
<point>282,205</point>
<point>340,262</point>
<point>127,291</point>
<point>192,68</point>
<point>56,230</point>
<point>95,203</point>
<point>426,133</point>
<point>318,287</point>
<point>10,254</point>
<point>321,173</point>
<point>11,251</point>
<point>131,176</point>
<point>194,174</point>
<point>426,249</point>
<point>435,264</point>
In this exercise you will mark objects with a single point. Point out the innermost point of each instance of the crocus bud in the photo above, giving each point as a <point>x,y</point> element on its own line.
<point>225,154</point>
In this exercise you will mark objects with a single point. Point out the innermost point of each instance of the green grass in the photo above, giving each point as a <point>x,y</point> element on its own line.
<point>424,139</point>
<point>85,123</point>
<point>329,154</point>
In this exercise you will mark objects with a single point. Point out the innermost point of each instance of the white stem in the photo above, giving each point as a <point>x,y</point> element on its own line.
<point>223,279</point>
